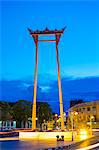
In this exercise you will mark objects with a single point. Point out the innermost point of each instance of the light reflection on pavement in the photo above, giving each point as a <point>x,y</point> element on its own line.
<point>90,147</point>
<point>88,144</point>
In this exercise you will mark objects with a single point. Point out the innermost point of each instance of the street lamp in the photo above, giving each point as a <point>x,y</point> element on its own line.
<point>56,115</point>
<point>91,118</point>
<point>72,122</point>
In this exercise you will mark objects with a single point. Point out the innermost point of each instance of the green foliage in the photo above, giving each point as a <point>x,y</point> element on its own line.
<point>44,112</point>
<point>5,111</point>
<point>22,110</point>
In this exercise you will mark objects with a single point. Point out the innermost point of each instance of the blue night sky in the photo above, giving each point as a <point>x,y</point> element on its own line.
<point>78,50</point>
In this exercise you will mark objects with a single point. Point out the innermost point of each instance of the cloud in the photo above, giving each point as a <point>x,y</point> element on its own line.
<point>72,88</point>
<point>45,88</point>
<point>24,85</point>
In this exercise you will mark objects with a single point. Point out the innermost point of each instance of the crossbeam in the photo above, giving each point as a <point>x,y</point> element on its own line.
<point>46,40</point>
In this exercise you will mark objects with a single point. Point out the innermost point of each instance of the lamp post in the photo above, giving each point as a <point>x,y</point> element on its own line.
<point>91,118</point>
<point>72,122</point>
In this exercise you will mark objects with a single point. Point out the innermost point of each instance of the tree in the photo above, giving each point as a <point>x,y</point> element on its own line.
<point>21,111</point>
<point>44,112</point>
<point>5,111</point>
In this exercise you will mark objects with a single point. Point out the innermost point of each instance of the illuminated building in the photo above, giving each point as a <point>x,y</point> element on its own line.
<point>88,114</point>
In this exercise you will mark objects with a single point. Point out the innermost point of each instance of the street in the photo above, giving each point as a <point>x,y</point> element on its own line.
<point>84,145</point>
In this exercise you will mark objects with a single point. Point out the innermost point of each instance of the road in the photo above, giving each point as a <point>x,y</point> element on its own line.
<point>16,144</point>
<point>84,145</point>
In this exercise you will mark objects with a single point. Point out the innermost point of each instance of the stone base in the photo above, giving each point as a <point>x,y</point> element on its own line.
<point>45,135</point>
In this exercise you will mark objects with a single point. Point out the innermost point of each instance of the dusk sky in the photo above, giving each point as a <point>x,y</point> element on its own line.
<point>78,47</point>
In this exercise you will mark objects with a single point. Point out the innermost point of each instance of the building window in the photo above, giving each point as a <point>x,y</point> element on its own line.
<point>94,107</point>
<point>83,109</point>
<point>88,108</point>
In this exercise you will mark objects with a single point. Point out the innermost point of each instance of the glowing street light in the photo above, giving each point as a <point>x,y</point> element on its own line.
<point>72,122</point>
<point>56,115</point>
<point>91,118</point>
